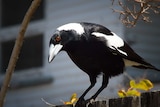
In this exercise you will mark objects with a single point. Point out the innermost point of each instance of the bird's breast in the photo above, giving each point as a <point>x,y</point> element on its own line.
<point>95,57</point>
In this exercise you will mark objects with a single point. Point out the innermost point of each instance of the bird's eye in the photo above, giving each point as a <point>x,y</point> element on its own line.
<point>58,38</point>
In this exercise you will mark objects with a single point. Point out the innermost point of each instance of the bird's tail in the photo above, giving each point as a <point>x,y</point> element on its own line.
<point>148,66</point>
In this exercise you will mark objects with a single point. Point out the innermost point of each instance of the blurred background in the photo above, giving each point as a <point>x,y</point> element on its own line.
<point>34,78</point>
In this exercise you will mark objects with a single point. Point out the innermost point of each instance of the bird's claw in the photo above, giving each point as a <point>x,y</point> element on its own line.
<point>90,100</point>
<point>85,103</point>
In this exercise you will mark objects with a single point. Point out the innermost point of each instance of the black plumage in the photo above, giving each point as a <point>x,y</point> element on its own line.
<point>96,50</point>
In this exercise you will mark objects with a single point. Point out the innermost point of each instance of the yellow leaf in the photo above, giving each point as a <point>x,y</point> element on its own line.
<point>121,93</point>
<point>73,99</point>
<point>67,103</point>
<point>132,92</point>
<point>148,83</point>
<point>129,92</point>
<point>143,84</point>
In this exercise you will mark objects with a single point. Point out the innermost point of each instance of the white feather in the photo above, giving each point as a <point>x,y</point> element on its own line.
<point>72,26</point>
<point>113,41</point>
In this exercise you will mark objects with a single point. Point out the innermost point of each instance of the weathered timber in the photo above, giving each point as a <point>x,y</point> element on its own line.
<point>147,99</point>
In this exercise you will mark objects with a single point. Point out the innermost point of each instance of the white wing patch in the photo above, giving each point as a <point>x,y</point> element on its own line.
<point>113,41</point>
<point>72,26</point>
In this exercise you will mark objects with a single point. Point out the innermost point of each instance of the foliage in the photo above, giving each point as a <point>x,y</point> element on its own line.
<point>73,100</point>
<point>143,84</point>
<point>134,10</point>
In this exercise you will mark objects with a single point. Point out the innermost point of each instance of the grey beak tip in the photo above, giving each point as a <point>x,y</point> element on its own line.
<point>49,59</point>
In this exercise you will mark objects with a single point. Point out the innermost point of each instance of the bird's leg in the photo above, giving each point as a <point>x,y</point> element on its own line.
<point>104,85</point>
<point>81,99</point>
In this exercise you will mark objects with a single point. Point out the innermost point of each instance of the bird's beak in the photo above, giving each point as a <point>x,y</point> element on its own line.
<point>53,51</point>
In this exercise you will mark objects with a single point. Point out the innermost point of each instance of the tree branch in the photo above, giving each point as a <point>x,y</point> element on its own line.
<point>16,50</point>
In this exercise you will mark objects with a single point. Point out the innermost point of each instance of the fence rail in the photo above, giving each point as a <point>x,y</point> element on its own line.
<point>148,99</point>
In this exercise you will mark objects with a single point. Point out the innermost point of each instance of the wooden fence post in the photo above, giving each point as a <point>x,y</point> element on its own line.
<point>125,102</point>
<point>150,99</point>
<point>98,104</point>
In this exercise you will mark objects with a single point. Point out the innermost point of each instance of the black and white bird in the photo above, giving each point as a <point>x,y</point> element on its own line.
<point>95,50</point>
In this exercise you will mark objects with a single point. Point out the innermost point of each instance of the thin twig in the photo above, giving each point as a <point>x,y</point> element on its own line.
<point>47,103</point>
<point>16,50</point>
<point>140,11</point>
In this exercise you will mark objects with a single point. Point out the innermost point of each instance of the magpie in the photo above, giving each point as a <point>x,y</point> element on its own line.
<point>95,50</point>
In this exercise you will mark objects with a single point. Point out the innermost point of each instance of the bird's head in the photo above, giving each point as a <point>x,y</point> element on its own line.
<point>62,36</point>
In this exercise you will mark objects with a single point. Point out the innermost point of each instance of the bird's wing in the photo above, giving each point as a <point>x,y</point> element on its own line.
<point>113,42</point>
<point>119,47</point>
